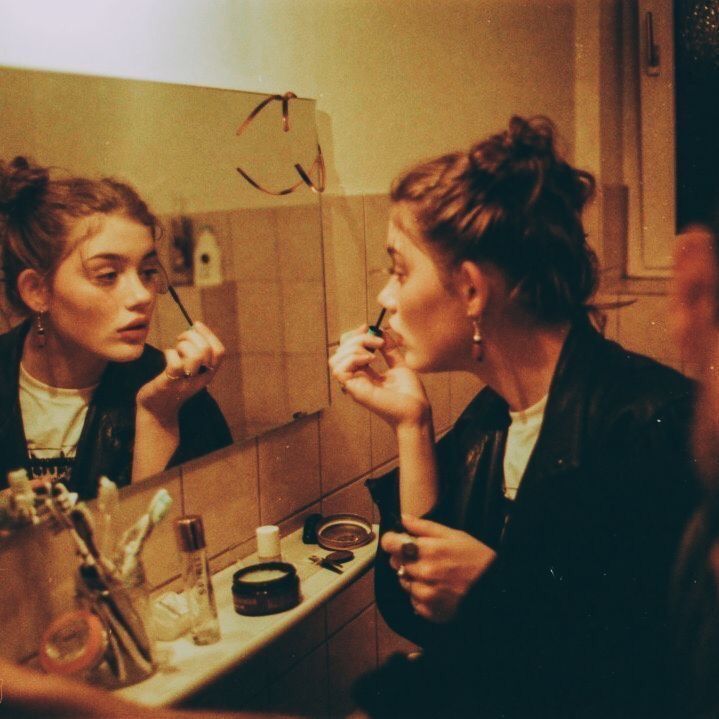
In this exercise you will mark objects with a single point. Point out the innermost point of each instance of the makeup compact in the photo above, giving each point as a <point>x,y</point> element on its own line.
<point>73,644</point>
<point>265,588</point>
<point>344,531</point>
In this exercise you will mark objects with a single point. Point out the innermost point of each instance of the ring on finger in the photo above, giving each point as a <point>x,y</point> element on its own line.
<point>409,550</point>
<point>401,571</point>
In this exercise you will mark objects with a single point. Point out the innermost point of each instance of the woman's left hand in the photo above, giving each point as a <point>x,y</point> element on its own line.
<point>191,366</point>
<point>448,561</point>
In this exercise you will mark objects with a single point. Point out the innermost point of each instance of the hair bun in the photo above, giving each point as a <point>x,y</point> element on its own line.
<point>531,136</point>
<point>21,186</point>
<point>525,156</point>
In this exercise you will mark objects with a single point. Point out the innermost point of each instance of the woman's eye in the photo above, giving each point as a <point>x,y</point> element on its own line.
<point>106,278</point>
<point>150,273</point>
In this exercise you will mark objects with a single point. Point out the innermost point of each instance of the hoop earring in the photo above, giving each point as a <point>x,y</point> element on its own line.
<point>477,342</point>
<point>40,329</point>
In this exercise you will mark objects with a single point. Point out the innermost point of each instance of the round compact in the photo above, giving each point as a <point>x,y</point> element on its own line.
<point>265,588</point>
<point>344,531</point>
<point>74,643</point>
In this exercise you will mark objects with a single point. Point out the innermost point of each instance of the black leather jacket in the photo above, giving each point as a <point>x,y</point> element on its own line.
<point>696,610</point>
<point>571,618</point>
<point>106,441</point>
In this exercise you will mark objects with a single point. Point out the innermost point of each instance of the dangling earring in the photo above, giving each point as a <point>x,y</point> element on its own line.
<point>40,329</point>
<point>477,343</point>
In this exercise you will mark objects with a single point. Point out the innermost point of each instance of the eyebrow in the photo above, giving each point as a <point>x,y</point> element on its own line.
<point>152,254</point>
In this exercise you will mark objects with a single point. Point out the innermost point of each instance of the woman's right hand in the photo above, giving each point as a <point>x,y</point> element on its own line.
<point>190,367</point>
<point>396,395</point>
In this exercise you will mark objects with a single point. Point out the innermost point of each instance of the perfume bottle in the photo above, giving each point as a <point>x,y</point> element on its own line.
<point>204,625</point>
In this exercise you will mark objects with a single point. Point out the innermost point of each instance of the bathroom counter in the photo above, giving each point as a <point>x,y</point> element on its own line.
<point>190,668</point>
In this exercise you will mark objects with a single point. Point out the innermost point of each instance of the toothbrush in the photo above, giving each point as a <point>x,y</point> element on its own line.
<point>82,523</point>
<point>113,603</point>
<point>63,518</point>
<point>22,497</point>
<point>134,538</point>
<point>108,501</point>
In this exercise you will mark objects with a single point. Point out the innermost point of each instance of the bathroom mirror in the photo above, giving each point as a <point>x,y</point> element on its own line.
<point>178,146</point>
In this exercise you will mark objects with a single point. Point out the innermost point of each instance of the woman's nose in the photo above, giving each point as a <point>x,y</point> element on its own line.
<point>385,296</point>
<point>138,292</point>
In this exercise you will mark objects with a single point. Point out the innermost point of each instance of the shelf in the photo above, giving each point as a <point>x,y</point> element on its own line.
<point>190,668</point>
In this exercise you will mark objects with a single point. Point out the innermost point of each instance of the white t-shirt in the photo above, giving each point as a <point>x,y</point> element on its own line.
<point>521,438</point>
<point>53,418</point>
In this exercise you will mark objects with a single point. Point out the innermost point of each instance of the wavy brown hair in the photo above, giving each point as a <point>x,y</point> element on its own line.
<point>514,202</point>
<point>38,213</point>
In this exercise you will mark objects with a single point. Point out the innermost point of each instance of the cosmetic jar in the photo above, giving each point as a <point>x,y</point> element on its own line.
<point>265,588</point>
<point>344,531</point>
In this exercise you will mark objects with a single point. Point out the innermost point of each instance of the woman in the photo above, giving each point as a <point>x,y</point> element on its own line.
<point>544,523</point>
<point>81,394</point>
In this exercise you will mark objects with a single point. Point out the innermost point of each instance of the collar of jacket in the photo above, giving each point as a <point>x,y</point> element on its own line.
<point>562,436</point>
<point>11,345</point>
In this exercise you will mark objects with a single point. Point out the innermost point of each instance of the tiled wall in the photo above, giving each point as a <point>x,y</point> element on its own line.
<point>318,463</point>
<point>268,312</point>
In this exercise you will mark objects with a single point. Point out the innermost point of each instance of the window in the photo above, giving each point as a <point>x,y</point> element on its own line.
<point>672,109</point>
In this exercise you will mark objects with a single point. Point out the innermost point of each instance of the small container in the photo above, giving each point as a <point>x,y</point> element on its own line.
<point>268,543</point>
<point>204,625</point>
<point>74,645</point>
<point>129,656</point>
<point>265,588</point>
<point>344,531</point>
<point>135,582</point>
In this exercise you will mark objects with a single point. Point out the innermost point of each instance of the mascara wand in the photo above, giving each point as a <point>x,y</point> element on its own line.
<point>178,302</point>
<point>376,328</point>
<point>185,314</point>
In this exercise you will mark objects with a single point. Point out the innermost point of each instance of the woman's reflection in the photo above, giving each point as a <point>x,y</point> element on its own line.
<point>81,394</point>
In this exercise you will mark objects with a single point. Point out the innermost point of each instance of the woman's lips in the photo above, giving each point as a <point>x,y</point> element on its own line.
<point>135,333</point>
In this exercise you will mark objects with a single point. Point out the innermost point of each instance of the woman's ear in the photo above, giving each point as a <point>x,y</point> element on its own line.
<point>33,290</point>
<point>474,287</point>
